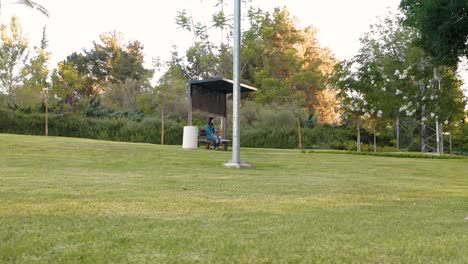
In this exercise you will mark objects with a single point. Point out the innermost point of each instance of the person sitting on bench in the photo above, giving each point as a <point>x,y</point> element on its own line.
<point>211,133</point>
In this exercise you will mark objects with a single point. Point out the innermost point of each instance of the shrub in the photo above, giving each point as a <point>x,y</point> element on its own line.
<point>73,125</point>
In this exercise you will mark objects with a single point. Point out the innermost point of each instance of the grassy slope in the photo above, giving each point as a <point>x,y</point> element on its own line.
<point>76,200</point>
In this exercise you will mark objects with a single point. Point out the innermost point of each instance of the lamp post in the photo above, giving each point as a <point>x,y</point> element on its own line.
<point>236,162</point>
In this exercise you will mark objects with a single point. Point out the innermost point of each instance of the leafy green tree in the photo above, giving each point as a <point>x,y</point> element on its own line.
<point>35,75</point>
<point>14,54</point>
<point>208,58</point>
<point>67,87</point>
<point>289,71</point>
<point>390,66</point>
<point>122,95</point>
<point>170,95</point>
<point>110,66</point>
<point>358,96</point>
<point>392,59</point>
<point>442,27</point>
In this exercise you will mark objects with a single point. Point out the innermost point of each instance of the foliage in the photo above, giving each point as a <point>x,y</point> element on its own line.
<point>441,25</point>
<point>14,53</point>
<point>109,65</point>
<point>390,66</point>
<point>67,87</point>
<point>120,127</point>
<point>289,73</point>
<point>122,95</point>
<point>35,74</point>
<point>206,57</point>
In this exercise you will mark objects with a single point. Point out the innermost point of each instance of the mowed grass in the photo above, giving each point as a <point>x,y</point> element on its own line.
<point>65,200</point>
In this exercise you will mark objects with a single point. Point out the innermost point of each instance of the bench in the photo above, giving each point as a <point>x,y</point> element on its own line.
<point>202,140</point>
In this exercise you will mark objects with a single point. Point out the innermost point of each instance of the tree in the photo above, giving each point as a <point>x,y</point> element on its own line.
<point>289,71</point>
<point>122,95</point>
<point>208,58</point>
<point>390,66</point>
<point>359,96</point>
<point>170,94</point>
<point>35,74</point>
<point>388,48</point>
<point>14,53</point>
<point>442,27</point>
<point>327,107</point>
<point>109,65</point>
<point>67,87</point>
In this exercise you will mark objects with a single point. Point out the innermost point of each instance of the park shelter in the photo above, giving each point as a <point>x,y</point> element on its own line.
<point>210,96</point>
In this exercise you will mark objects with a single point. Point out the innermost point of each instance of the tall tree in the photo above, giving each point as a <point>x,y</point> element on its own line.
<point>14,53</point>
<point>111,64</point>
<point>170,95</point>
<point>208,57</point>
<point>67,87</point>
<point>389,66</point>
<point>35,75</point>
<point>442,27</point>
<point>290,70</point>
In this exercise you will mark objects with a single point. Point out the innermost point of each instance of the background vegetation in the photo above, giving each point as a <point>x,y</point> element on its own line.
<point>306,97</point>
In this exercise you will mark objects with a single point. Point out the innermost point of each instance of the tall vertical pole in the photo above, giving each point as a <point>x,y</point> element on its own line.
<point>236,162</point>
<point>236,87</point>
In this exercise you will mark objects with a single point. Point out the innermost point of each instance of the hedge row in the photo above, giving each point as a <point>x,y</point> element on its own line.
<point>72,125</point>
<point>149,130</point>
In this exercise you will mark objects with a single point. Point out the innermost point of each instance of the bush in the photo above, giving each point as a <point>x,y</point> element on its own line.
<point>134,127</point>
<point>73,125</point>
<point>320,136</point>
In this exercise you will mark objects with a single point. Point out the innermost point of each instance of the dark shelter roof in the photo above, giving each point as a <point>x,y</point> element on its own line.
<point>220,85</point>
<point>210,95</point>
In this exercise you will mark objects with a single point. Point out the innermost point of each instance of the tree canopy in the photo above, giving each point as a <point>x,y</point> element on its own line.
<point>442,26</point>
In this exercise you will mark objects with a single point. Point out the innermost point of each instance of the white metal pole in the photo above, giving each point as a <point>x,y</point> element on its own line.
<point>236,86</point>
<point>236,162</point>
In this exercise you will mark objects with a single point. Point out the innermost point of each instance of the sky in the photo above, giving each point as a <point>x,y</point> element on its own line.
<point>75,24</point>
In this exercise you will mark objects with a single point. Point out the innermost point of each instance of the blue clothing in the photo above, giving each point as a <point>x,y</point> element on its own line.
<point>211,135</point>
<point>209,130</point>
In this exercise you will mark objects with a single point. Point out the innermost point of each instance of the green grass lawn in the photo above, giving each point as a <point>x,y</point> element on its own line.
<point>65,200</point>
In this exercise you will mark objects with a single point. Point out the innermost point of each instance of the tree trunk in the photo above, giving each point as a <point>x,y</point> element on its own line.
<point>375,139</point>
<point>398,133</point>
<point>299,131</point>
<point>358,140</point>
<point>162,126</point>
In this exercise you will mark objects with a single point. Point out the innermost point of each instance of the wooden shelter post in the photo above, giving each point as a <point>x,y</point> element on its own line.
<point>189,97</point>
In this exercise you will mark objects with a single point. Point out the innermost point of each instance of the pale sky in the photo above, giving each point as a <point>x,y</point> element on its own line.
<point>74,24</point>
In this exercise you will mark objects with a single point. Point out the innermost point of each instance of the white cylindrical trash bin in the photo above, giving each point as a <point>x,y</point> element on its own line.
<point>190,140</point>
